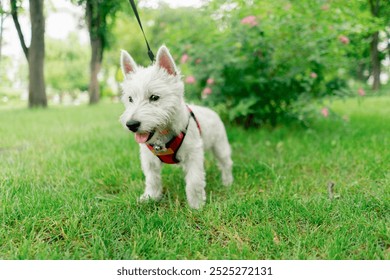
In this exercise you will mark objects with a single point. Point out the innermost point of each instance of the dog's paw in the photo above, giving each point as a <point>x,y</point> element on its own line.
<point>196,204</point>
<point>148,197</point>
<point>227,180</point>
<point>197,200</point>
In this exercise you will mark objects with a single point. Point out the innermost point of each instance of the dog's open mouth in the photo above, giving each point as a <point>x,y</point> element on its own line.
<point>144,137</point>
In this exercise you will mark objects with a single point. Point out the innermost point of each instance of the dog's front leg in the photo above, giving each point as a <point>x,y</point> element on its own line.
<point>195,179</point>
<point>151,167</point>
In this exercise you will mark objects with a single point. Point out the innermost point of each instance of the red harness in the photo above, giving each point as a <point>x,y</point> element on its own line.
<point>172,147</point>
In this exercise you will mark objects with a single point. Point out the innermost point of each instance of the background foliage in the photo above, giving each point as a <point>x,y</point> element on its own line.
<point>65,65</point>
<point>263,62</point>
<point>256,62</point>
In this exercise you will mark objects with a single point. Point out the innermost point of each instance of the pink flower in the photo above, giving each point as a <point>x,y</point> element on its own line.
<point>313,75</point>
<point>190,80</point>
<point>249,20</point>
<point>210,81</point>
<point>344,39</point>
<point>325,112</point>
<point>325,7</point>
<point>184,58</point>
<point>206,92</point>
<point>361,92</point>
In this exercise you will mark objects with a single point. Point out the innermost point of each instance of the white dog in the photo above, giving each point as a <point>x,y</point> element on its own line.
<point>168,130</point>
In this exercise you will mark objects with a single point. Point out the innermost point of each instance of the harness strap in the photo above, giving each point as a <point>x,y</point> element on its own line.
<point>169,156</point>
<point>196,120</point>
<point>172,147</point>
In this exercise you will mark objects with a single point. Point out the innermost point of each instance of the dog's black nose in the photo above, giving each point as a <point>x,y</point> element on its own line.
<point>133,125</point>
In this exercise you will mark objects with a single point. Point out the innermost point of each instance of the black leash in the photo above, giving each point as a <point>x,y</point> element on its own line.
<point>150,53</point>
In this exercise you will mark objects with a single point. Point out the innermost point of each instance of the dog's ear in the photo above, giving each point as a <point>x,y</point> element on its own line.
<point>165,61</point>
<point>128,64</point>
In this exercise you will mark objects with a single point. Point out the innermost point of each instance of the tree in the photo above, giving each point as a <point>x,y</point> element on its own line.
<point>35,54</point>
<point>99,15</point>
<point>375,60</point>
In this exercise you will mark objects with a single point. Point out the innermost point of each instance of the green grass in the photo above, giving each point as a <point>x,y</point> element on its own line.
<point>70,178</point>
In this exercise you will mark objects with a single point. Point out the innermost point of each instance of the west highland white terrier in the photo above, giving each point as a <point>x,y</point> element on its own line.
<point>168,130</point>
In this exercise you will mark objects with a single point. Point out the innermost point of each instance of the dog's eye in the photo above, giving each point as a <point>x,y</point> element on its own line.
<point>154,97</point>
<point>130,99</point>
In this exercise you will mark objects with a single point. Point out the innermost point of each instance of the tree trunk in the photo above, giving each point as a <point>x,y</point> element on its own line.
<point>95,65</point>
<point>15,18</point>
<point>375,62</point>
<point>36,56</point>
<point>94,21</point>
<point>374,53</point>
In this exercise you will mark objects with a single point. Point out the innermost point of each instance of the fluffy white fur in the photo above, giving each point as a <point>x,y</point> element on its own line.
<point>167,117</point>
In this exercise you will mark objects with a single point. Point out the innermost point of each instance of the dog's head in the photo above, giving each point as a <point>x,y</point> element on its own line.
<point>151,95</point>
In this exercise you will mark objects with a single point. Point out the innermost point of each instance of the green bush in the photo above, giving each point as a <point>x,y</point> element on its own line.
<point>255,87</point>
<point>263,64</point>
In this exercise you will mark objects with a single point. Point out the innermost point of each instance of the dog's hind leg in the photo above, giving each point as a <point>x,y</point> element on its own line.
<point>151,167</point>
<point>222,153</point>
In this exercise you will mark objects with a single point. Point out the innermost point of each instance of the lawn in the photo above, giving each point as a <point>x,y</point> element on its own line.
<point>70,178</point>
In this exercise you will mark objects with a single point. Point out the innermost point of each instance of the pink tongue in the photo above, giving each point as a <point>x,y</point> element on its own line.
<point>141,137</point>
